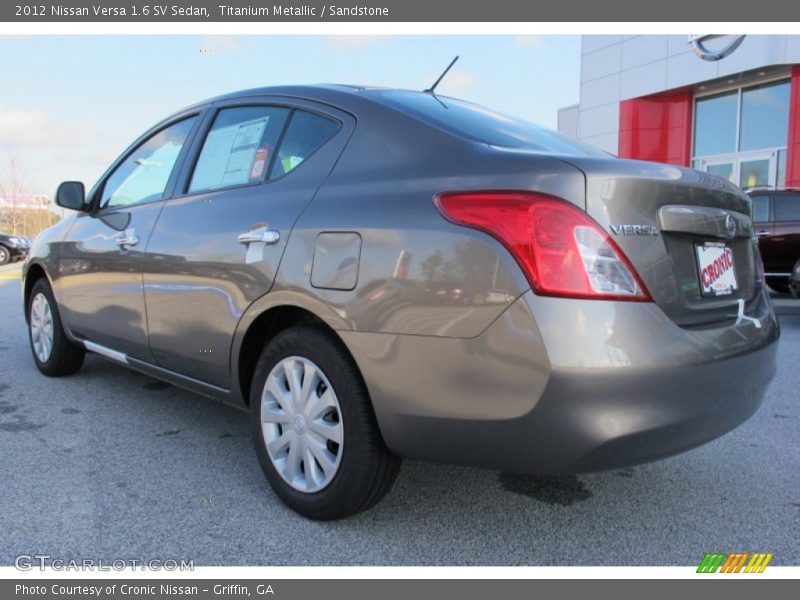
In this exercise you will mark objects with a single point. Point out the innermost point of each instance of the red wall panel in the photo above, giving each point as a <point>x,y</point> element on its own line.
<point>657,128</point>
<point>793,151</point>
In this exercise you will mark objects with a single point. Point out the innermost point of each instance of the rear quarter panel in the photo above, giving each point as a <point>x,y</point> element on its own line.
<point>418,273</point>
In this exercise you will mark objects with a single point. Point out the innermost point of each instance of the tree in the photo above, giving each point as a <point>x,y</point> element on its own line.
<point>19,216</point>
<point>11,189</point>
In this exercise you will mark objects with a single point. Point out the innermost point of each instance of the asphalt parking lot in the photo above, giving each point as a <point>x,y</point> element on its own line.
<point>112,464</point>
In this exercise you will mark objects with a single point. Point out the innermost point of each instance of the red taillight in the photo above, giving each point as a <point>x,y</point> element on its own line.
<point>561,250</point>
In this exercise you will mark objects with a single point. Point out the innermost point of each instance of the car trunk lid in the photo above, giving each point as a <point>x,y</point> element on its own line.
<point>687,233</point>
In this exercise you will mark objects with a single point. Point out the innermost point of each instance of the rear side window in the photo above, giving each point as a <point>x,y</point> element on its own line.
<point>760,209</point>
<point>483,124</point>
<point>786,207</point>
<point>239,147</point>
<point>306,132</point>
<point>143,176</point>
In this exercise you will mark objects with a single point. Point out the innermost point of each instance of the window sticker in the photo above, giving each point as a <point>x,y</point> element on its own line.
<point>229,154</point>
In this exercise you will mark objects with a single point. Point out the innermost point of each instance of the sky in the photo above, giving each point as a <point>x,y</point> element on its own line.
<point>71,104</point>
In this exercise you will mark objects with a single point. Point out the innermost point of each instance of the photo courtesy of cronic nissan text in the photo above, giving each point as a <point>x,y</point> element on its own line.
<point>384,299</point>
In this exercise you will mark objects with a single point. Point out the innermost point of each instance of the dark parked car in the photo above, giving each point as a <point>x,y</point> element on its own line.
<point>776,217</point>
<point>382,274</point>
<point>12,248</point>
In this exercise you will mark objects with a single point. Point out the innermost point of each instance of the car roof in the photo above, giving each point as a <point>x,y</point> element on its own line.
<point>346,97</point>
<point>341,95</point>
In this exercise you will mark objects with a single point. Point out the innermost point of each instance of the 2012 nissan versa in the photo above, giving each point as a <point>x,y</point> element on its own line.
<point>383,273</point>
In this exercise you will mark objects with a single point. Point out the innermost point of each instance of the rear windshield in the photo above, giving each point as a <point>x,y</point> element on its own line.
<point>483,124</point>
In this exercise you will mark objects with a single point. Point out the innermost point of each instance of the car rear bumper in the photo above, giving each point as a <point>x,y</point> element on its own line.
<point>596,385</point>
<point>595,422</point>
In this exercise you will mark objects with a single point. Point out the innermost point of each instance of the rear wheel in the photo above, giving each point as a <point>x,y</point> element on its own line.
<point>54,354</point>
<point>315,433</point>
<point>5,255</point>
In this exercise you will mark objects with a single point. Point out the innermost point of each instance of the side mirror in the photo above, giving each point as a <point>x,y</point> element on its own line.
<point>71,195</point>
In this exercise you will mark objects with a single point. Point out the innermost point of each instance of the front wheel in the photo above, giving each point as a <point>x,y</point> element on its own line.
<point>315,433</point>
<point>54,354</point>
<point>5,255</point>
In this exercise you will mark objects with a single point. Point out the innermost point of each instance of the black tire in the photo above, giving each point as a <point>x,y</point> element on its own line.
<point>65,357</point>
<point>5,255</point>
<point>367,469</point>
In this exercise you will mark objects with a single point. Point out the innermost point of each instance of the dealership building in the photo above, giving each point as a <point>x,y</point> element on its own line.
<point>728,105</point>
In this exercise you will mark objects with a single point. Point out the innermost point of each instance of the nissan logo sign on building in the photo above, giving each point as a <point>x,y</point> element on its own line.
<point>714,47</point>
<point>728,105</point>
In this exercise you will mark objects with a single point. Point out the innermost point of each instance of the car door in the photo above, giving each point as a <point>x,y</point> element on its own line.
<point>218,243</point>
<point>762,224</point>
<point>99,278</point>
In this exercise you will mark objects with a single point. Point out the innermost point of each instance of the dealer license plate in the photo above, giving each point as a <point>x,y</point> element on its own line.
<point>716,269</point>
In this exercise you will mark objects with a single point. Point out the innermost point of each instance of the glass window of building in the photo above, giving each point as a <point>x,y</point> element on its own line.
<point>781,168</point>
<point>754,173</point>
<point>765,116</point>
<point>715,125</point>
<point>724,170</point>
<point>742,135</point>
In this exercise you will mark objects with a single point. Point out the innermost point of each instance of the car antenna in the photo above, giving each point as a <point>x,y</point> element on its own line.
<point>433,87</point>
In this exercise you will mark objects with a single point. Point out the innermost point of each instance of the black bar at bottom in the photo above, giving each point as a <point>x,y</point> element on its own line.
<point>733,586</point>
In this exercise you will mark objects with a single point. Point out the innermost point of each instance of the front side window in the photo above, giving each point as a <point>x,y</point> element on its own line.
<point>239,147</point>
<point>306,132</point>
<point>143,176</point>
<point>786,207</point>
<point>760,209</point>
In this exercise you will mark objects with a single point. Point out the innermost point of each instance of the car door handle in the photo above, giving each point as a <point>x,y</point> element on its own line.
<point>130,240</point>
<point>267,236</point>
<point>761,233</point>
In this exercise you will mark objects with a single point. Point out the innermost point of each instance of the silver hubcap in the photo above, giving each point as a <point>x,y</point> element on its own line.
<point>301,424</point>
<point>41,327</point>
